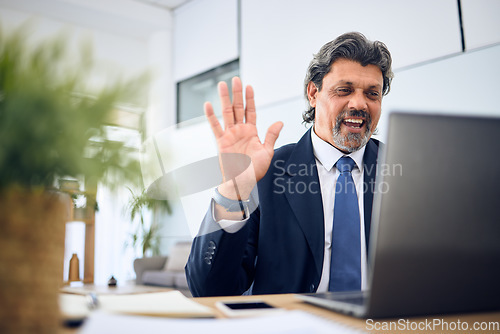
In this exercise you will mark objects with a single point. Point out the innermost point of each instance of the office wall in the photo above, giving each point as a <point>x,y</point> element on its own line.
<point>464,84</point>
<point>432,74</point>
<point>288,33</point>
<point>206,36</point>
<point>481,24</point>
<point>110,49</point>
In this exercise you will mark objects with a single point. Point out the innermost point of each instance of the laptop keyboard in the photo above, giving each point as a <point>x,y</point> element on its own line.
<point>355,297</point>
<point>351,299</point>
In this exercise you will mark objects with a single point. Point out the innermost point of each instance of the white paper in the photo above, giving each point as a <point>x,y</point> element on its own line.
<point>172,303</point>
<point>73,306</point>
<point>165,304</point>
<point>289,322</point>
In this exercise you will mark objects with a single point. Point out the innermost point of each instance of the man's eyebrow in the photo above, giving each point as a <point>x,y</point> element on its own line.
<point>349,83</point>
<point>344,82</point>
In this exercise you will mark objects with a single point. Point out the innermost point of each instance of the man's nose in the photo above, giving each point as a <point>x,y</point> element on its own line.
<point>357,101</point>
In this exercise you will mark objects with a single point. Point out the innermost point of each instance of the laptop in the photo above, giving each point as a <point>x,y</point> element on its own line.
<point>435,242</point>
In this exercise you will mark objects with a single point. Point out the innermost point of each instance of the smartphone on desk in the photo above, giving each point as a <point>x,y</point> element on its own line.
<point>246,308</point>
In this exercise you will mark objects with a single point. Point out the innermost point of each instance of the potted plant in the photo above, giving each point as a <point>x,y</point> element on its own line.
<point>52,125</point>
<point>146,235</point>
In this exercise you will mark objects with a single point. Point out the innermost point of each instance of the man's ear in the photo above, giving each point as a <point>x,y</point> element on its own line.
<point>312,91</point>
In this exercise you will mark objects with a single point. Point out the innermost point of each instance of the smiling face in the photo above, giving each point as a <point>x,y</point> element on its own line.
<point>347,109</point>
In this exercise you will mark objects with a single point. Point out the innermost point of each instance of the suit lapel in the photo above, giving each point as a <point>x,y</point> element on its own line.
<point>370,171</point>
<point>305,197</point>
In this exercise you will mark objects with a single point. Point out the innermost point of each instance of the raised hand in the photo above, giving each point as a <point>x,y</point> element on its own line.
<point>240,136</point>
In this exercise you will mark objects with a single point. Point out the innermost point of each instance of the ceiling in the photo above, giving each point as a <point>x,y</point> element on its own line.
<point>168,4</point>
<point>142,17</point>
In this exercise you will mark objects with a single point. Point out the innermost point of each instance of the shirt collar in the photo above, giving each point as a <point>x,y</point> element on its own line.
<point>328,155</point>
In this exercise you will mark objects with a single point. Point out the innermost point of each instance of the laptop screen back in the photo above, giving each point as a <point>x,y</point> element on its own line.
<point>437,223</point>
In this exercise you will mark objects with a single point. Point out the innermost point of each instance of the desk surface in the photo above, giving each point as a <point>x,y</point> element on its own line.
<point>289,301</point>
<point>121,289</point>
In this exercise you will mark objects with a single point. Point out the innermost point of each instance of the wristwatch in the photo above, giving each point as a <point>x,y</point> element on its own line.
<point>230,205</point>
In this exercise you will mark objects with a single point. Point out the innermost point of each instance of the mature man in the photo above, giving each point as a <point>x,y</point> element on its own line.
<point>310,229</point>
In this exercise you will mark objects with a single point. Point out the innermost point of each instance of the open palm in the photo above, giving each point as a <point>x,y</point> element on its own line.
<point>240,136</point>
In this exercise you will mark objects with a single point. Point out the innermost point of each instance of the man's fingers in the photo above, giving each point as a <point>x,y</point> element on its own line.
<point>272,134</point>
<point>238,106</point>
<point>250,114</point>
<point>227,107</point>
<point>212,120</point>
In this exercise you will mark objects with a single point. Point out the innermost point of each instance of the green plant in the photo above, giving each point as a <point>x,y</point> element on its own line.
<point>146,234</point>
<point>54,112</point>
<point>53,117</point>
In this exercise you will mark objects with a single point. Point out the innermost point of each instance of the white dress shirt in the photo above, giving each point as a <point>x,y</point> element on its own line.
<point>326,157</point>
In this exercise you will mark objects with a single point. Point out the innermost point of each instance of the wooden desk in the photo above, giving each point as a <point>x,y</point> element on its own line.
<point>288,301</point>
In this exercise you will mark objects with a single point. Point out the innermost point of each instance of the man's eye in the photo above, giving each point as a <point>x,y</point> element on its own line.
<point>343,91</point>
<point>373,95</point>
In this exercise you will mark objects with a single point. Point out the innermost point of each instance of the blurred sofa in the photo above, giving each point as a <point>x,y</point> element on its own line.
<point>165,271</point>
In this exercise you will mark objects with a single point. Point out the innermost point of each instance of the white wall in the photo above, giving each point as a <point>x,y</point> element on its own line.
<point>278,38</point>
<point>160,113</point>
<point>464,84</point>
<point>205,36</point>
<point>116,51</point>
<point>481,23</point>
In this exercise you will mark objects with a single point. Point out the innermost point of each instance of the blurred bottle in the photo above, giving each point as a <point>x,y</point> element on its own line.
<point>74,269</point>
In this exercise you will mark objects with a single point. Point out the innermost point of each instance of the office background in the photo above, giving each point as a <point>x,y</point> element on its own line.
<point>445,54</point>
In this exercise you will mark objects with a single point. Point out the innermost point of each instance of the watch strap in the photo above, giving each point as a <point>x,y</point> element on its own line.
<point>230,205</point>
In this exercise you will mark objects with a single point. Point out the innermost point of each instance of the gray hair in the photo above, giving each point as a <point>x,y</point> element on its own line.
<point>352,46</point>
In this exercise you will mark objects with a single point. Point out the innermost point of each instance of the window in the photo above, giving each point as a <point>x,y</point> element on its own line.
<point>193,92</point>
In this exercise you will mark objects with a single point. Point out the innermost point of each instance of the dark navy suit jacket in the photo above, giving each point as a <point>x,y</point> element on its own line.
<point>280,248</point>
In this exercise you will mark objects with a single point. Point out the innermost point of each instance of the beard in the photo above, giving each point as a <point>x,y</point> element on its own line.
<point>352,141</point>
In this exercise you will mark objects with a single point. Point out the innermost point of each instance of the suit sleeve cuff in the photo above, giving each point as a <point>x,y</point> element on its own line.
<point>230,226</point>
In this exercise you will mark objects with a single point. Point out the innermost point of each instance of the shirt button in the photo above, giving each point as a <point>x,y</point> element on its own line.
<point>312,287</point>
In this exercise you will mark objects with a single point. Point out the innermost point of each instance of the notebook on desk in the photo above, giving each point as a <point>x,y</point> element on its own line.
<point>435,242</point>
